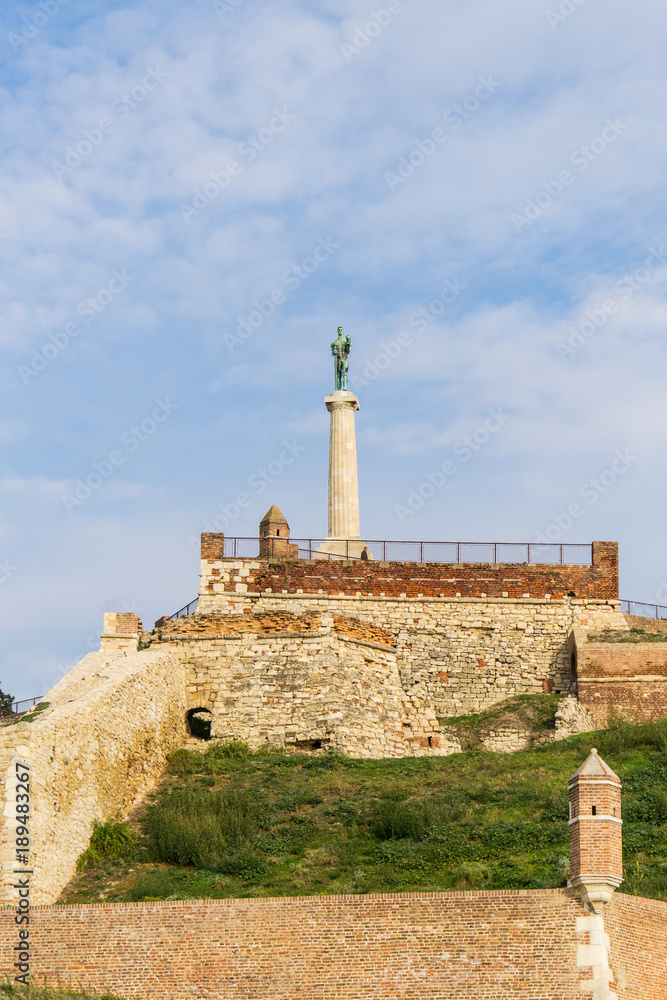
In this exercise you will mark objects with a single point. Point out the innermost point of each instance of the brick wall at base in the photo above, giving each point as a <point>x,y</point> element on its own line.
<point>507,945</point>
<point>638,931</point>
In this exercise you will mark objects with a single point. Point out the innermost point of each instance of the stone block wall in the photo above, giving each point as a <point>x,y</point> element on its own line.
<point>97,749</point>
<point>460,655</point>
<point>315,681</point>
<point>506,945</point>
<point>627,679</point>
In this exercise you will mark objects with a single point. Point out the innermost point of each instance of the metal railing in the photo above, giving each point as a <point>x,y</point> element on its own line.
<point>639,608</point>
<point>428,552</point>
<point>184,612</point>
<point>508,553</point>
<point>17,706</point>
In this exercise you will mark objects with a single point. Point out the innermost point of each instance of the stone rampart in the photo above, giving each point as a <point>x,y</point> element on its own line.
<point>95,751</point>
<point>506,945</point>
<point>310,689</point>
<point>458,655</point>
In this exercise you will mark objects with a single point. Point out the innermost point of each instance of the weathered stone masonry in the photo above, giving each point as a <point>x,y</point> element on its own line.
<point>466,636</point>
<point>313,666</point>
<point>98,748</point>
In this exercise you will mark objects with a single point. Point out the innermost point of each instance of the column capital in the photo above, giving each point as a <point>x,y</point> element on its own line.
<point>340,398</point>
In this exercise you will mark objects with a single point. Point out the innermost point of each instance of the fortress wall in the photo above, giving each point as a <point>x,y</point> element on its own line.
<point>292,689</point>
<point>504,945</point>
<point>93,753</point>
<point>638,931</point>
<point>408,579</point>
<point>628,679</point>
<point>455,655</point>
<point>431,946</point>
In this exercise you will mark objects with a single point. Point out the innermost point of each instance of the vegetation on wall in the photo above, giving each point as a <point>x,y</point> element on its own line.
<point>634,635</point>
<point>232,823</point>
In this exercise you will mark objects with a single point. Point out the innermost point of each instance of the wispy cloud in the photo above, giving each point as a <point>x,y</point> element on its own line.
<point>314,134</point>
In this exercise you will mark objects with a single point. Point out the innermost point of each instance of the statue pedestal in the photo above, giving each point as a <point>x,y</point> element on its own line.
<point>340,548</point>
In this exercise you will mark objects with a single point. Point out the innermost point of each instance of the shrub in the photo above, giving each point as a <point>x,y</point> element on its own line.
<point>109,840</point>
<point>194,826</point>
<point>396,820</point>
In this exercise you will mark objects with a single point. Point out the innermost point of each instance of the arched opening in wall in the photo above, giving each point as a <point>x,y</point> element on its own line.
<point>198,721</point>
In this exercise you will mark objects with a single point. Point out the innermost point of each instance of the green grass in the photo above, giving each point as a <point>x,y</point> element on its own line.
<point>34,992</point>
<point>535,712</point>
<point>231,823</point>
<point>634,635</point>
<point>33,713</point>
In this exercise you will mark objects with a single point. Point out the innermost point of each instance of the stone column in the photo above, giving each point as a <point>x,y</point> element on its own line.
<point>343,479</point>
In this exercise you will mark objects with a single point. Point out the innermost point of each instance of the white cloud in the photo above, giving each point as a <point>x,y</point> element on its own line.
<point>324,175</point>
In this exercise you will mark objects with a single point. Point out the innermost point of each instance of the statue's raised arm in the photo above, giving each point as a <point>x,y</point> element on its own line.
<point>340,349</point>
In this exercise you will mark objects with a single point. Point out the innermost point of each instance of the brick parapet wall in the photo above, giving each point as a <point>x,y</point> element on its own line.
<point>212,545</point>
<point>374,578</point>
<point>395,579</point>
<point>627,679</point>
<point>507,945</point>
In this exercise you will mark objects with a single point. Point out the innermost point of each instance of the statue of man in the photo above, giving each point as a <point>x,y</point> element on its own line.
<point>340,350</point>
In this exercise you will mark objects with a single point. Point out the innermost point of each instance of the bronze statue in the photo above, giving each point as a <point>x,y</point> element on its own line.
<point>340,350</point>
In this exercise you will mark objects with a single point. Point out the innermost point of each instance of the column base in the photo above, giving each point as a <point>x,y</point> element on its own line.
<point>341,548</point>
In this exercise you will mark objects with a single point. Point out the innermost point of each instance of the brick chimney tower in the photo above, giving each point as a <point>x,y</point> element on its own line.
<point>596,842</point>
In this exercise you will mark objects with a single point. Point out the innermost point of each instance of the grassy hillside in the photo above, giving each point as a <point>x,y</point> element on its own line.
<point>231,823</point>
<point>8,989</point>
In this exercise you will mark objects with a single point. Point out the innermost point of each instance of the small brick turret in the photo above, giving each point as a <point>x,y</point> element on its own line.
<point>274,540</point>
<point>121,631</point>
<point>596,844</point>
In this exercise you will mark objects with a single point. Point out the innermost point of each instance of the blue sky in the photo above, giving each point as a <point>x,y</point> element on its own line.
<point>194,195</point>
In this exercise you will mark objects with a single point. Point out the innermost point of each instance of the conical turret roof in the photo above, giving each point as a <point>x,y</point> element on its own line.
<point>274,514</point>
<point>594,767</point>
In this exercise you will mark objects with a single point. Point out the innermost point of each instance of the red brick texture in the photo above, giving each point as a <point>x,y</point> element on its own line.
<point>212,545</point>
<point>127,624</point>
<point>638,931</point>
<point>596,843</point>
<point>598,581</point>
<point>508,945</point>
<point>434,579</point>
<point>218,625</point>
<point>628,679</point>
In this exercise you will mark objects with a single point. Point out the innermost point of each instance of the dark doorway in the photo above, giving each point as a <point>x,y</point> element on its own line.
<point>198,721</point>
